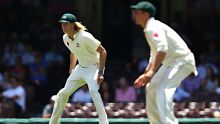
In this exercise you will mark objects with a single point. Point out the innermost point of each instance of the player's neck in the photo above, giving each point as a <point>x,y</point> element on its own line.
<point>143,25</point>
<point>71,34</point>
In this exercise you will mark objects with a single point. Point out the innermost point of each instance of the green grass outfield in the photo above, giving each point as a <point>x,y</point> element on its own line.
<point>111,120</point>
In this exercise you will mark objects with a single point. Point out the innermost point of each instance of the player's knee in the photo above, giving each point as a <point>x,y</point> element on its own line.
<point>62,93</point>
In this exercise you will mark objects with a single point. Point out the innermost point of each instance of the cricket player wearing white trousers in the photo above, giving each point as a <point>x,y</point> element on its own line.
<point>170,62</point>
<point>91,58</point>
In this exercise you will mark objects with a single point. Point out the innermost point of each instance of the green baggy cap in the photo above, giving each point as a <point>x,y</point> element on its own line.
<point>68,17</point>
<point>145,6</point>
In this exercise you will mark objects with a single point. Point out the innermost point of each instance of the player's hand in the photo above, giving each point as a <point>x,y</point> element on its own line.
<point>143,79</point>
<point>100,78</point>
<point>140,81</point>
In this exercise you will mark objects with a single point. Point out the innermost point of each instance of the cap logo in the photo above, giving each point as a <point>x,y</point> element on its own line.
<point>64,17</point>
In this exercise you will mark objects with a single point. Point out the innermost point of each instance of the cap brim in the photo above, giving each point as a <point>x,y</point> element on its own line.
<point>63,21</point>
<point>134,7</point>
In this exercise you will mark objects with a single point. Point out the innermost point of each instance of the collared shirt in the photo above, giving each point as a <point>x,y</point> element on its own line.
<point>161,37</point>
<point>84,46</point>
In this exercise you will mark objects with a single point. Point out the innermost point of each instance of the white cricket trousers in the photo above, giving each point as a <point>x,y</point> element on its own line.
<point>78,78</point>
<point>160,92</point>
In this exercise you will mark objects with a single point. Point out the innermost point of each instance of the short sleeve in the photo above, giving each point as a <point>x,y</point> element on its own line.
<point>158,38</point>
<point>92,42</point>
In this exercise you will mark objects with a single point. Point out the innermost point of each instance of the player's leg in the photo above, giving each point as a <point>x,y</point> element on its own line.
<point>171,79</point>
<point>72,84</point>
<point>62,99</point>
<point>91,80</point>
<point>151,106</point>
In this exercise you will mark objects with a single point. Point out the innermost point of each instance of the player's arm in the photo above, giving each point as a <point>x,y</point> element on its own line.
<point>159,40</point>
<point>160,55</point>
<point>149,63</point>
<point>150,70</point>
<point>153,66</point>
<point>103,54</point>
<point>95,45</point>
<point>73,61</point>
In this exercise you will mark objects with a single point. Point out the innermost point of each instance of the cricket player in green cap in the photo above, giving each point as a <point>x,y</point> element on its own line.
<point>91,57</point>
<point>170,62</point>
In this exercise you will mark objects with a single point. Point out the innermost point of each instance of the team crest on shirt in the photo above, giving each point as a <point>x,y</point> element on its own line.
<point>68,43</point>
<point>77,45</point>
<point>155,34</point>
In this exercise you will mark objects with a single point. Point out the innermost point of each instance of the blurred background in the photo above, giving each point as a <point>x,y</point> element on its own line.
<point>34,61</point>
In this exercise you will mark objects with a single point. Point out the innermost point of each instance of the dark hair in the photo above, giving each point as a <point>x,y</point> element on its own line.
<point>16,78</point>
